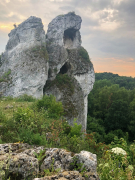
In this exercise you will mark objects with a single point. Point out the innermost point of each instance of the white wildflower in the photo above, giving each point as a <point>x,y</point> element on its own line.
<point>118,150</point>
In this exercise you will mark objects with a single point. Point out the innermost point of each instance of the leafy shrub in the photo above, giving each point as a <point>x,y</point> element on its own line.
<point>94,125</point>
<point>25,125</point>
<point>114,166</point>
<point>27,136</point>
<point>94,147</point>
<point>49,103</point>
<point>75,130</point>
<point>66,128</point>
<point>23,116</point>
<point>109,137</point>
<point>124,145</point>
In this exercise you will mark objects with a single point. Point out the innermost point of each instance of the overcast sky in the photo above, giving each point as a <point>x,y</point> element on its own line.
<point>108,28</point>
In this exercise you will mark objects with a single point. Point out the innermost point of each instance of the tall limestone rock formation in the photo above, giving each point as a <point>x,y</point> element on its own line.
<point>24,66</point>
<point>71,74</point>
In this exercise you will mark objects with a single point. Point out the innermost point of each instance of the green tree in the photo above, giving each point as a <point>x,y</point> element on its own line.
<point>131,125</point>
<point>117,116</point>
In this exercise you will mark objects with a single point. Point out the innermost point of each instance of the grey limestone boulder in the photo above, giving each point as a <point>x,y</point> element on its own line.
<point>24,66</point>
<point>59,158</point>
<point>20,161</point>
<point>66,175</point>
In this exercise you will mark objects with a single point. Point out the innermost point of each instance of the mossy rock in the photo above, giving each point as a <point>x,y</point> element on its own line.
<point>83,54</point>
<point>69,108</point>
<point>5,77</point>
<point>40,51</point>
<point>62,81</point>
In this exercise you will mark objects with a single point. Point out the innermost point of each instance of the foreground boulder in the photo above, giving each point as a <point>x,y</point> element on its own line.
<point>70,175</point>
<point>22,161</point>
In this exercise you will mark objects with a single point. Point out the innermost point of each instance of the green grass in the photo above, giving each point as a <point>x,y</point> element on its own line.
<point>8,107</point>
<point>29,122</point>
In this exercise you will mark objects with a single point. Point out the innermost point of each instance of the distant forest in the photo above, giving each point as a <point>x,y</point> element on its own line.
<point>111,107</point>
<point>123,81</point>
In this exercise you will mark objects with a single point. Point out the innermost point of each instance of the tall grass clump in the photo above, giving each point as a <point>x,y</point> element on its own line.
<point>25,97</point>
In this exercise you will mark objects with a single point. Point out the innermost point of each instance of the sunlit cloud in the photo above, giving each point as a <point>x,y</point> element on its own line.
<point>6,27</point>
<point>56,0</point>
<point>7,1</point>
<point>117,2</point>
<point>123,67</point>
<point>131,59</point>
<point>107,32</point>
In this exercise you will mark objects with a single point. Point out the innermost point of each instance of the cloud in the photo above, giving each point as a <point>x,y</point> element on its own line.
<point>117,66</point>
<point>108,28</point>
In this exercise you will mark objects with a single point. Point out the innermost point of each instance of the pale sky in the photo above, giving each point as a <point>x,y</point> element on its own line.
<point>108,28</point>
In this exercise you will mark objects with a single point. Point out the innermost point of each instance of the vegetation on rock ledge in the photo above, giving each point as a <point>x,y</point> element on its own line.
<point>40,51</point>
<point>84,54</point>
<point>5,76</point>
<point>62,81</point>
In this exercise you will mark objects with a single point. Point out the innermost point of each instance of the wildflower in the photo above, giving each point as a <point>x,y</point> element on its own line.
<point>118,150</point>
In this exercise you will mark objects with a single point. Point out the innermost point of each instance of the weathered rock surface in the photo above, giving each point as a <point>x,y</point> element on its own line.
<point>24,68</point>
<point>20,162</point>
<point>63,32</point>
<point>71,74</point>
<point>70,175</point>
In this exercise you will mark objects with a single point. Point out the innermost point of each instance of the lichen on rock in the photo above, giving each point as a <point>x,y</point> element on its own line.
<point>20,161</point>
